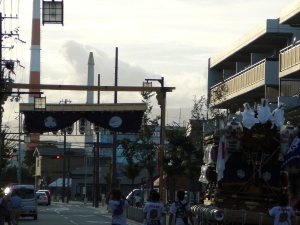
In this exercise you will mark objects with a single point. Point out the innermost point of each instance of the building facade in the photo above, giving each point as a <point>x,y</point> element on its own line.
<point>264,63</point>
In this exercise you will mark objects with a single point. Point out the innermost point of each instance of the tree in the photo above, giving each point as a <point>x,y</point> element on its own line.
<point>107,177</point>
<point>179,158</point>
<point>30,160</point>
<point>143,148</point>
<point>8,144</point>
<point>9,175</point>
<point>132,169</point>
<point>291,113</point>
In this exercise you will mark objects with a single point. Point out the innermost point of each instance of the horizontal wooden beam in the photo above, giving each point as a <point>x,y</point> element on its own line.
<point>89,88</point>
<point>113,107</point>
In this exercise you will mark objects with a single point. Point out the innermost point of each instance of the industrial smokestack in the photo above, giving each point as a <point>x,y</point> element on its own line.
<point>35,62</point>
<point>89,99</point>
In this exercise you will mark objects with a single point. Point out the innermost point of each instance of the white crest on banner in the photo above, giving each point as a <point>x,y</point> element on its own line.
<point>50,122</point>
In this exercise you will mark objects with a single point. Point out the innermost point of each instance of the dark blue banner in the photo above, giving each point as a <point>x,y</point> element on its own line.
<point>42,122</point>
<point>293,155</point>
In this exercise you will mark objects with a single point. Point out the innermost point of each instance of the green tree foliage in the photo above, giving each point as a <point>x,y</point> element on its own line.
<point>132,169</point>
<point>30,160</point>
<point>9,176</point>
<point>143,148</point>
<point>291,114</point>
<point>8,144</point>
<point>179,159</point>
<point>107,177</point>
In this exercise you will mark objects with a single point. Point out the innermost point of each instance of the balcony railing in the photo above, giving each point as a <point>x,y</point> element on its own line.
<point>290,56</point>
<point>245,80</point>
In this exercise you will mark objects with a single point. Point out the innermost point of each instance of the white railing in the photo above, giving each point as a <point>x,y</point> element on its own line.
<point>289,56</point>
<point>240,81</point>
<point>137,214</point>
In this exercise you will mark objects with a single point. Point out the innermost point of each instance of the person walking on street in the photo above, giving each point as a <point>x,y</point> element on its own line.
<point>283,212</point>
<point>16,206</point>
<point>3,207</point>
<point>181,209</point>
<point>137,200</point>
<point>118,204</point>
<point>103,198</point>
<point>154,210</point>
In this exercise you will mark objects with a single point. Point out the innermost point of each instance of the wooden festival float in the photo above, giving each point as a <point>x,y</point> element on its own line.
<point>242,168</point>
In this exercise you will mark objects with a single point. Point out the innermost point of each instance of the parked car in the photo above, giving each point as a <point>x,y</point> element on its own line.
<point>41,198</point>
<point>48,195</point>
<point>144,194</point>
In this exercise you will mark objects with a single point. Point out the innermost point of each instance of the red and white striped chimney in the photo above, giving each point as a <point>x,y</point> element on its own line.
<point>35,59</point>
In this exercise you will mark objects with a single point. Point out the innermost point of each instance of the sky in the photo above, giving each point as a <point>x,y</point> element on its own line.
<point>160,38</point>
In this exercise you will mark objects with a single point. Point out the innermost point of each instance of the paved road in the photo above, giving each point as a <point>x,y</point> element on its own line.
<point>73,213</point>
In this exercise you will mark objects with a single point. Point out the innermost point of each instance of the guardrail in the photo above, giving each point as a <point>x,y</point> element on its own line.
<point>137,214</point>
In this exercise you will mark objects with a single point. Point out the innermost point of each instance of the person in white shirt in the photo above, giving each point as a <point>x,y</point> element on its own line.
<point>283,212</point>
<point>118,204</point>
<point>153,210</point>
<point>181,209</point>
<point>137,200</point>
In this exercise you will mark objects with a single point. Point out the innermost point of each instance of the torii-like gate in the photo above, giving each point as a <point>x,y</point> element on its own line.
<point>161,96</point>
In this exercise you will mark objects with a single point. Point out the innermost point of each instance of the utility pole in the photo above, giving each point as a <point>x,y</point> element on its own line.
<point>64,198</point>
<point>114,161</point>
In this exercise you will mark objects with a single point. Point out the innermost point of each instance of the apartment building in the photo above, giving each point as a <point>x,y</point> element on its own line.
<point>264,63</point>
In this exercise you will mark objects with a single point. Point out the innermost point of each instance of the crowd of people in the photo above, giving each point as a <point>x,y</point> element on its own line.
<point>180,210</point>
<point>154,209</point>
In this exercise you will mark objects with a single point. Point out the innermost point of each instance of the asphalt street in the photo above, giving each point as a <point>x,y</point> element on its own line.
<point>73,213</point>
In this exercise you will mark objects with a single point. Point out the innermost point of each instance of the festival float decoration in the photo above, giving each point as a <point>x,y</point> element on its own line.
<point>248,175</point>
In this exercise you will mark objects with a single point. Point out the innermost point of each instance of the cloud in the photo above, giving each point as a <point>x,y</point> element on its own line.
<point>171,39</point>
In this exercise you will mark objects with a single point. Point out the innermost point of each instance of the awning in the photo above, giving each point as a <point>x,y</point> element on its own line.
<point>59,183</point>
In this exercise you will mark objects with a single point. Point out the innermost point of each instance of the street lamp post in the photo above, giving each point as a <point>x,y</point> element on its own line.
<point>161,97</point>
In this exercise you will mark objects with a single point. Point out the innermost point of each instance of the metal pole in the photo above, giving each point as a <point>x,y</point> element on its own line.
<point>19,151</point>
<point>97,173</point>
<point>94,175</point>
<point>68,189</point>
<point>1,80</point>
<point>85,179</point>
<point>114,162</point>
<point>162,140</point>
<point>64,168</point>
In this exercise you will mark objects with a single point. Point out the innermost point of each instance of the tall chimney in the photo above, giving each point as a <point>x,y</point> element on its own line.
<point>35,62</point>
<point>89,99</point>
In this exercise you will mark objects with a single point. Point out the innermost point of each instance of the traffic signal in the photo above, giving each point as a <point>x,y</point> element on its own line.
<point>54,156</point>
<point>10,156</point>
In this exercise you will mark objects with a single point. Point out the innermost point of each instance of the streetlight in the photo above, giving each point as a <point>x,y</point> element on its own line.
<point>161,98</point>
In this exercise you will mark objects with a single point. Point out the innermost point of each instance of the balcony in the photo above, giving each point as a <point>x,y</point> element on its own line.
<point>290,61</point>
<point>249,85</point>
